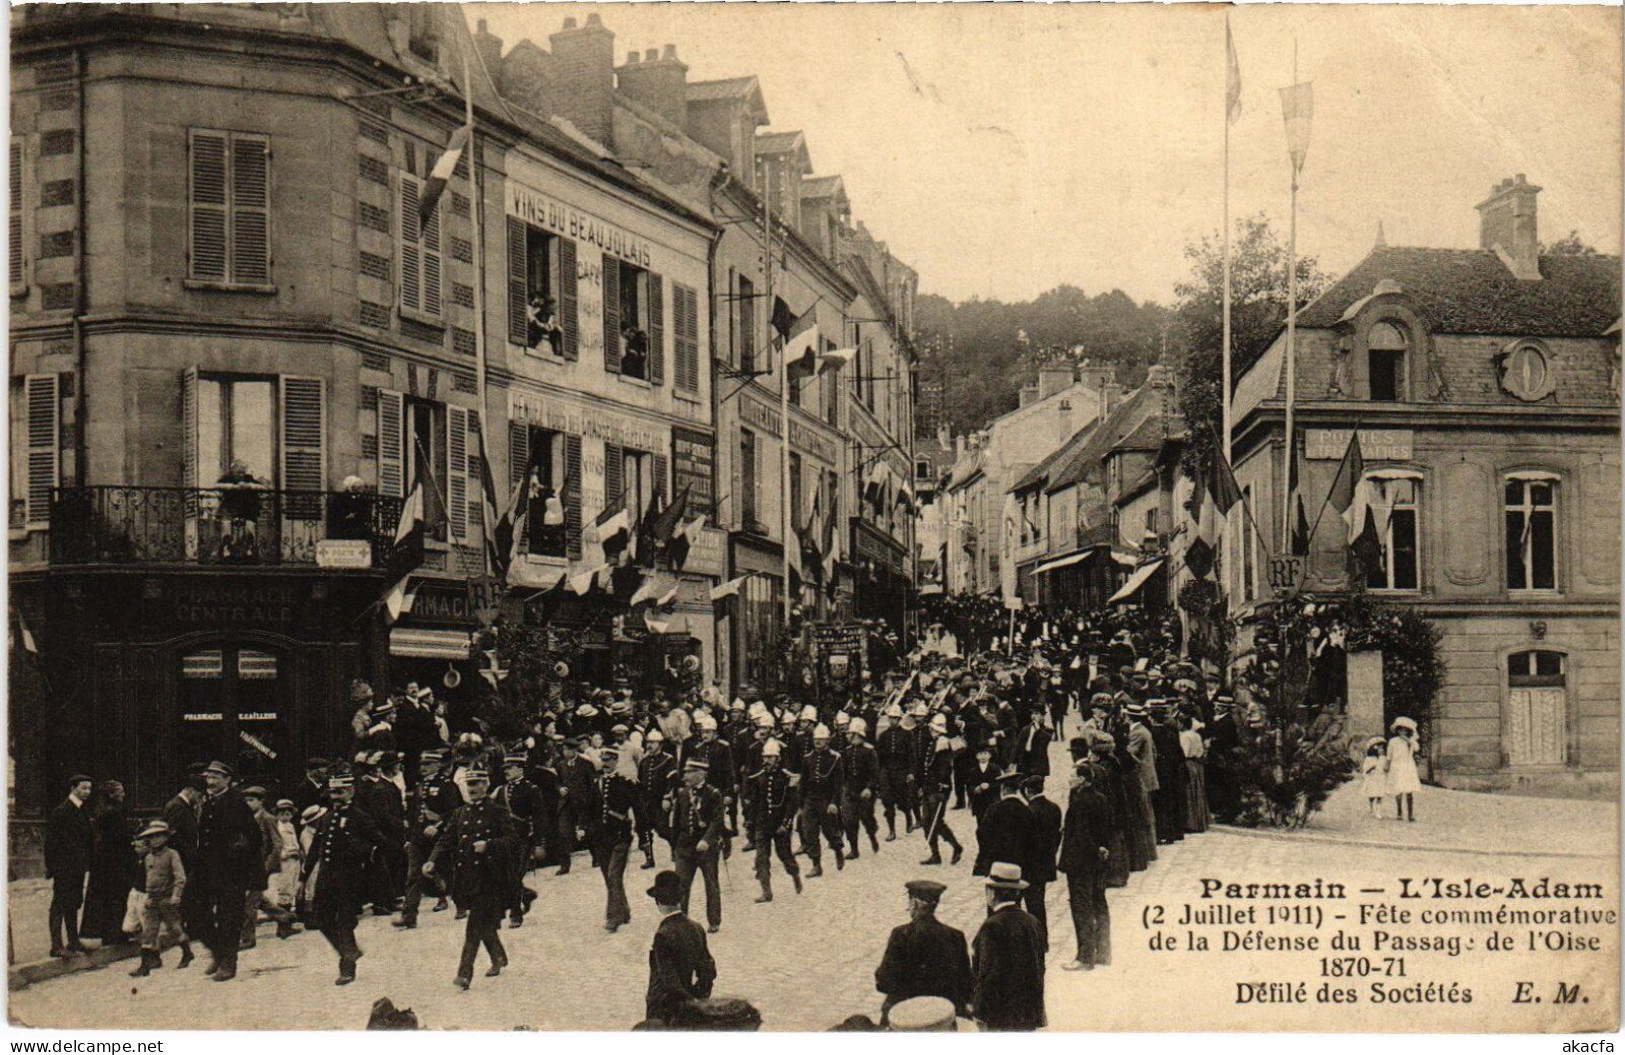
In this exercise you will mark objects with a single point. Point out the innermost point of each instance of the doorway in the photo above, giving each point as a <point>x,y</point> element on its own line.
<point>1537,709</point>
<point>233,706</point>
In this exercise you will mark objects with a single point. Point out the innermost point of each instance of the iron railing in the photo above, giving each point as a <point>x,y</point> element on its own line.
<point>220,526</point>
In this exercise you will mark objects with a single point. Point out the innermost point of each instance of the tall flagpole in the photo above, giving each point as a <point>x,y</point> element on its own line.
<point>479,256</point>
<point>1231,98</point>
<point>1291,335</point>
<point>784,395</point>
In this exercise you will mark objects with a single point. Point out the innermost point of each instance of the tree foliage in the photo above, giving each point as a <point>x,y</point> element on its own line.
<point>1570,244</point>
<point>1258,297</point>
<point>985,350</point>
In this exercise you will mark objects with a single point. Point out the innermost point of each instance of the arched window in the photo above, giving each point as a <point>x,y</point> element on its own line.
<point>1395,502</point>
<point>1531,531</point>
<point>1386,349</point>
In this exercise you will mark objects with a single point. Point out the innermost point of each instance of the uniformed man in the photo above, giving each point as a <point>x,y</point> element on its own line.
<point>696,826</point>
<point>379,794</point>
<point>820,814</point>
<point>925,739</point>
<point>924,957</point>
<point>479,844</point>
<point>895,747</point>
<point>432,800</point>
<point>518,796</point>
<point>229,847</point>
<point>609,811</point>
<point>938,788</point>
<point>860,781</point>
<point>335,870</point>
<point>773,807</point>
<point>657,775</point>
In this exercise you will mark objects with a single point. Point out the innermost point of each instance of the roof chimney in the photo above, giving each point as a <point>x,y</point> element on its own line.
<point>1029,393</point>
<point>1053,378</point>
<point>584,72</point>
<point>659,83</point>
<point>489,48</point>
<point>1507,227</point>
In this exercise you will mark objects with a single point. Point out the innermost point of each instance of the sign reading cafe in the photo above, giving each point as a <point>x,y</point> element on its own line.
<point>539,210</point>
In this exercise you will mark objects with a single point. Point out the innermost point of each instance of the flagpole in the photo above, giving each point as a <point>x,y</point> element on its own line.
<point>784,401</point>
<point>478,239</point>
<point>1291,335</point>
<point>1225,414</point>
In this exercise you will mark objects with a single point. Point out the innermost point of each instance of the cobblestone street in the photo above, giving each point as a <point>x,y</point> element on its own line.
<point>808,962</point>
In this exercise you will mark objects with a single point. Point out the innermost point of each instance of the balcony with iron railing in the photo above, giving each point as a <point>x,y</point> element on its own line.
<point>224,527</point>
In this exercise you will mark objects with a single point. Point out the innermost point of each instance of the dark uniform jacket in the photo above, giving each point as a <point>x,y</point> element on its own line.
<point>577,777</point>
<point>860,770</point>
<point>1007,960</point>
<point>229,843</point>
<point>69,838</point>
<point>429,805</point>
<point>181,816</point>
<point>680,967</point>
<point>939,774</point>
<point>718,758</point>
<point>696,814</point>
<point>1007,832</point>
<point>479,878</point>
<point>609,810</point>
<point>345,840</point>
<point>925,957</point>
<point>773,802</point>
<point>821,777</point>
<point>1046,841</point>
<point>895,747</point>
<point>519,797</point>
<point>1087,833</point>
<point>657,775</point>
<point>382,800</point>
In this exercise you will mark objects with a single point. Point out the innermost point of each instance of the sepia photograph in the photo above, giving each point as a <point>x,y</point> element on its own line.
<point>817,517</point>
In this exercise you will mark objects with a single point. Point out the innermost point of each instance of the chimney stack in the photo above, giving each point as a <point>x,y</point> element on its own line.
<point>1053,378</point>
<point>1029,393</point>
<point>584,72</point>
<point>489,48</point>
<point>1507,226</point>
<point>659,83</point>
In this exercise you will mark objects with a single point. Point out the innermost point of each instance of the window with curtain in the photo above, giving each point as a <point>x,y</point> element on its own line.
<point>1395,503</point>
<point>1531,532</point>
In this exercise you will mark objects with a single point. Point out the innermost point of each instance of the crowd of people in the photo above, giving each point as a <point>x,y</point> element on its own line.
<point>951,746</point>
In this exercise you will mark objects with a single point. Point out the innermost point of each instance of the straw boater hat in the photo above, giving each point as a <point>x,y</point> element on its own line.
<point>154,828</point>
<point>922,1014</point>
<point>1005,876</point>
<point>1373,742</point>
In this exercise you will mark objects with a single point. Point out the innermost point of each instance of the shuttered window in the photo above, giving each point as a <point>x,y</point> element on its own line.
<point>43,411</point>
<point>421,260</point>
<point>229,207</point>
<point>15,184</point>
<point>463,485</point>
<point>542,291</point>
<point>391,452</point>
<point>572,496</point>
<point>612,314</point>
<point>657,329</point>
<point>304,431</point>
<point>686,322</point>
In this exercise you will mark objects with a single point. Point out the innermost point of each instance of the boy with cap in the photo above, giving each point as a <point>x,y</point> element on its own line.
<point>924,957</point>
<point>161,913</point>
<point>1007,958</point>
<point>271,864</point>
<point>681,969</point>
<point>335,876</point>
<point>480,844</point>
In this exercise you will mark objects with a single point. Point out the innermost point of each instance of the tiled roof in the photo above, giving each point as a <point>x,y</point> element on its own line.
<point>727,88</point>
<point>822,187</point>
<point>1129,415</point>
<point>1469,291</point>
<point>1040,473</point>
<point>779,142</point>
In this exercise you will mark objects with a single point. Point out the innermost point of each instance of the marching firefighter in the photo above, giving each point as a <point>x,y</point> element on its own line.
<point>860,780</point>
<point>773,807</point>
<point>480,844</point>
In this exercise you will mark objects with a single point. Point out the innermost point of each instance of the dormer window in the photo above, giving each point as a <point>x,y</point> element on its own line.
<point>1387,348</point>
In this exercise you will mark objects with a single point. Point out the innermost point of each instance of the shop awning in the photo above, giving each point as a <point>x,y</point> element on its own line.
<point>1128,559</point>
<point>1140,577</point>
<point>1064,562</point>
<point>429,644</point>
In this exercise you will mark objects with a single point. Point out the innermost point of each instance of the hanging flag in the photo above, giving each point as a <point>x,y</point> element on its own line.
<point>801,344</point>
<point>440,175</point>
<point>614,527</point>
<point>399,599</point>
<point>783,318</point>
<point>1366,544</point>
<point>582,584</point>
<point>1232,86</point>
<point>656,626</point>
<point>664,525</point>
<point>1300,520</point>
<point>1221,483</point>
<point>1298,110</point>
<point>729,588</point>
<point>1350,471</point>
<point>25,635</point>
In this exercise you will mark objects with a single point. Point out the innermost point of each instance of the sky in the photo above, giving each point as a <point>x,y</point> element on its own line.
<point>1002,150</point>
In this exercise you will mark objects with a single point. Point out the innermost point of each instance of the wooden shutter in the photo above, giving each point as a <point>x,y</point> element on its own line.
<point>457,471</point>
<point>518,454</point>
<point>207,206</point>
<point>518,285</point>
<point>391,452</point>
<point>612,314</point>
<point>733,318</point>
<point>569,319</point>
<point>432,269</point>
<point>614,481</point>
<point>411,251</point>
<point>40,392</point>
<point>304,431</point>
<point>251,209</point>
<point>572,496</point>
<point>475,469</point>
<point>687,321</point>
<point>657,329</point>
<point>15,200</point>
<point>662,484</point>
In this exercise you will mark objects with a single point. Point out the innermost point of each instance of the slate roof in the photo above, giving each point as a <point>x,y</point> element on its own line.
<point>1469,291</point>
<point>1040,473</point>
<point>1122,423</point>
<point>822,187</point>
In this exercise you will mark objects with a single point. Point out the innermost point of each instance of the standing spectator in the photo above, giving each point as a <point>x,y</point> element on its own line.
<point>181,813</point>
<point>112,868</point>
<point>1085,851</point>
<point>1194,749</point>
<point>69,839</point>
<point>229,857</point>
<point>681,969</point>
<point>1008,830</point>
<point>1007,958</point>
<point>1403,782</point>
<point>285,883</point>
<point>924,957</point>
<point>1046,843</point>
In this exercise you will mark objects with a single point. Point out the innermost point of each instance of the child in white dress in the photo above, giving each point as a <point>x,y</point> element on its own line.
<point>1374,779</point>
<point>1403,780</point>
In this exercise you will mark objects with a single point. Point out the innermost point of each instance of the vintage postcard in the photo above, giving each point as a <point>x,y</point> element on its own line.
<point>857,517</point>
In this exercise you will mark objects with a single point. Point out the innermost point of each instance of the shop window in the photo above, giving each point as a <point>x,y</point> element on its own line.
<point>1386,349</point>
<point>1395,501</point>
<point>1531,531</point>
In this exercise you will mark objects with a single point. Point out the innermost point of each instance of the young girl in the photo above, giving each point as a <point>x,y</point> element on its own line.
<point>1375,779</point>
<point>1403,781</point>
